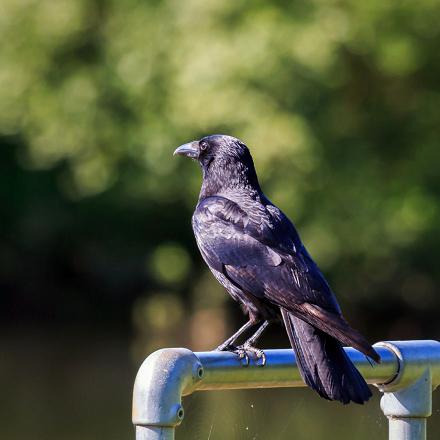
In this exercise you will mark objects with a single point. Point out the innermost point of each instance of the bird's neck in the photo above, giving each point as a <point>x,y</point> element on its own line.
<point>228,179</point>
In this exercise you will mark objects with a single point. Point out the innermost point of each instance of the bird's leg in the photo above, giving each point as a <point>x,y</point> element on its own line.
<point>253,339</point>
<point>249,345</point>
<point>228,345</point>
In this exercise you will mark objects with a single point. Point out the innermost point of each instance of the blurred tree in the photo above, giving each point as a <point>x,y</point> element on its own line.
<point>338,101</point>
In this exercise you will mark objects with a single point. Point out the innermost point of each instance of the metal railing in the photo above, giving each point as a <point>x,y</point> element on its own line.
<point>407,375</point>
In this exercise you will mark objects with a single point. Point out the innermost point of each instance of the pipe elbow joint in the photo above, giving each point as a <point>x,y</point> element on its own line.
<point>163,378</point>
<point>408,394</point>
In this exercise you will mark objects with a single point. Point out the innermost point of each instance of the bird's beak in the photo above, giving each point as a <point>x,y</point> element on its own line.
<point>189,150</point>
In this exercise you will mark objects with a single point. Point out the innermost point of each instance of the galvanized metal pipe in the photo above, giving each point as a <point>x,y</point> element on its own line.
<point>223,371</point>
<point>168,374</point>
<point>407,400</point>
<point>155,432</point>
<point>406,428</point>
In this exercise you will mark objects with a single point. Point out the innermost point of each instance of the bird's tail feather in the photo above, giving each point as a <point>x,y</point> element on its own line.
<point>323,364</point>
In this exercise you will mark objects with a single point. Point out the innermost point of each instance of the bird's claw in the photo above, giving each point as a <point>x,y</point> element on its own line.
<point>243,351</point>
<point>242,354</point>
<point>239,351</point>
<point>260,354</point>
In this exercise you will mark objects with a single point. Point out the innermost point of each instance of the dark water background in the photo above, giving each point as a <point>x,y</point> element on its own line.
<point>77,385</point>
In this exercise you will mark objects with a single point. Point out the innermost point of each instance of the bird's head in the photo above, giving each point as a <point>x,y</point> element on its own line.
<point>225,161</point>
<point>217,147</point>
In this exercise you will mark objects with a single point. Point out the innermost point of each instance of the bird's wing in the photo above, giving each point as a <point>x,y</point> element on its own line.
<point>260,245</point>
<point>266,258</point>
<point>219,226</point>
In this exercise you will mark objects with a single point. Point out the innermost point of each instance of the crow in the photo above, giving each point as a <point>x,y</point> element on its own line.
<point>255,252</point>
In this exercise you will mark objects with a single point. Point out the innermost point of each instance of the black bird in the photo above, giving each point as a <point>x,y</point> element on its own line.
<point>255,252</point>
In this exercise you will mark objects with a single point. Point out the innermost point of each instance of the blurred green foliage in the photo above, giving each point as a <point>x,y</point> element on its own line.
<point>338,100</point>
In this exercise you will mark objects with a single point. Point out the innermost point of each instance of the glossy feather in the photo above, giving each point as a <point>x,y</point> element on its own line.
<point>254,250</point>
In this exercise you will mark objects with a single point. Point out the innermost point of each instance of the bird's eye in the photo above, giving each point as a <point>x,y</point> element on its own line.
<point>203,145</point>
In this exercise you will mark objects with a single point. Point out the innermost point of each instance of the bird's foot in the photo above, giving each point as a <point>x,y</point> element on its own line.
<point>239,351</point>
<point>242,354</point>
<point>244,350</point>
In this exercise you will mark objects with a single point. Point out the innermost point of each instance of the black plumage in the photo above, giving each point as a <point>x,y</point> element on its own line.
<point>255,252</point>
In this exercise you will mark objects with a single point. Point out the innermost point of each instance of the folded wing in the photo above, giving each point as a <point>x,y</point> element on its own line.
<point>265,257</point>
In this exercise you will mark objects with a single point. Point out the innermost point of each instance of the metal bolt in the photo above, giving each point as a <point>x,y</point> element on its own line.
<point>180,413</point>
<point>200,372</point>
